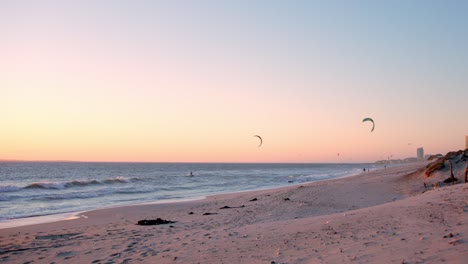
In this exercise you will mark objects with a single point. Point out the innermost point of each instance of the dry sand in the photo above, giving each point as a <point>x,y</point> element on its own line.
<point>384,216</point>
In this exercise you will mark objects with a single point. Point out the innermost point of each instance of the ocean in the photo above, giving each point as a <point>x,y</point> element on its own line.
<point>31,189</point>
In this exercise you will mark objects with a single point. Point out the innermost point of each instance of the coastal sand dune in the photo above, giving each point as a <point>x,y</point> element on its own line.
<point>384,216</point>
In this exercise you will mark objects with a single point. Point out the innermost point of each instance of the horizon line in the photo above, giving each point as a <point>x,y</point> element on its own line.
<point>235,162</point>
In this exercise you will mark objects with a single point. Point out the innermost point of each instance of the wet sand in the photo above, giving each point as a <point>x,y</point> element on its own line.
<point>384,216</point>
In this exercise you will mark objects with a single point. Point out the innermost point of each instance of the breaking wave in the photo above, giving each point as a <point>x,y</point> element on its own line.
<point>65,185</point>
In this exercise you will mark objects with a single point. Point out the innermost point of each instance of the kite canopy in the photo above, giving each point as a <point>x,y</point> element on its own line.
<point>369,119</point>
<point>261,140</point>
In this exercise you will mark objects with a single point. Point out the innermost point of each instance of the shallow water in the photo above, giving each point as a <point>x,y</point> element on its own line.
<point>30,189</point>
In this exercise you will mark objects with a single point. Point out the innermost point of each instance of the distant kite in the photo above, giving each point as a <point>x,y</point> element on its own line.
<point>261,140</point>
<point>369,119</point>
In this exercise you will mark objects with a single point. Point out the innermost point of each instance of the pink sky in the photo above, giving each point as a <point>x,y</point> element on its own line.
<point>168,82</point>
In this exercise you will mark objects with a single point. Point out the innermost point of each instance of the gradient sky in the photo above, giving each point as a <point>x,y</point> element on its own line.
<point>195,80</point>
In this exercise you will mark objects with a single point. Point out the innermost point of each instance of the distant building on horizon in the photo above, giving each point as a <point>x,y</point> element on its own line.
<point>420,153</point>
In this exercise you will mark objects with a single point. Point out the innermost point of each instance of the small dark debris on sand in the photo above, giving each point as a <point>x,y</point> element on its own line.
<point>210,213</point>
<point>253,200</point>
<point>190,213</point>
<point>450,180</point>
<point>58,236</point>
<point>287,199</point>
<point>230,207</point>
<point>157,221</point>
<point>449,235</point>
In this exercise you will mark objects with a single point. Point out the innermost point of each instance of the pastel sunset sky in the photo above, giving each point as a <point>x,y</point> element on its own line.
<point>196,80</point>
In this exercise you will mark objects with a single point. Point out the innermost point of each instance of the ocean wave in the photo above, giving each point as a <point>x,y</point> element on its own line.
<point>119,179</point>
<point>86,195</point>
<point>46,185</point>
<point>70,196</point>
<point>82,183</point>
<point>9,188</point>
<point>133,191</point>
<point>75,183</point>
<point>4,199</point>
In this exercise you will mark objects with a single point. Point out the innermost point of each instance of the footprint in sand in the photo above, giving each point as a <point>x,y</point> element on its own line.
<point>66,254</point>
<point>115,255</point>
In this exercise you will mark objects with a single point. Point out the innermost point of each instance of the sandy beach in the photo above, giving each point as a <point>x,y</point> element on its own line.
<point>383,216</point>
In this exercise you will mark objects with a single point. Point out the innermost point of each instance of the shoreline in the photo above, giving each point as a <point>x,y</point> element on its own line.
<point>65,216</point>
<point>52,218</point>
<point>382,216</point>
<point>68,216</point>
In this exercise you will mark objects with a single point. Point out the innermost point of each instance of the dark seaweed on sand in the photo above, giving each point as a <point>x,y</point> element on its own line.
<point>157,221</point>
